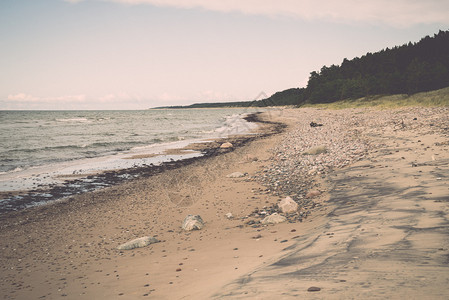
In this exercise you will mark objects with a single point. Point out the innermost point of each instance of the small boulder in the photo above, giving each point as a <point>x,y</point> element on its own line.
<point>314,124</point>
<point>192,222</point>
<point>226,145</point>
<point>313,193</point>
<point>236,175</point>
<point>229,215</point>
<point>288,205</point>
<point>316,150</point>
<point>273,219</point>
<point>138,243</point>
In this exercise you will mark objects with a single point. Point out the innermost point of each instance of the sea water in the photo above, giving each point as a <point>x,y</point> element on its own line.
<point>41,147</point>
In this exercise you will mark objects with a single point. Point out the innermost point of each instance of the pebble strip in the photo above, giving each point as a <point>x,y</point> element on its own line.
<point>347,136</point>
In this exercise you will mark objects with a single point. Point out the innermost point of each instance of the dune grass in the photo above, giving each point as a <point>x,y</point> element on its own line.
<point>427,99</point>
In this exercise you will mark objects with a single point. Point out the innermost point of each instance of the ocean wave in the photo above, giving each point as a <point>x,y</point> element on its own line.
<point>74,120</point>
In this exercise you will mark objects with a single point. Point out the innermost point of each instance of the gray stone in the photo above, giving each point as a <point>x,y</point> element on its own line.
<point>138,243</point>
<point>229,215</point>
<point>236,175</point>
<point>273,219</point>
<point>288,205</point>
<point>192,222</point>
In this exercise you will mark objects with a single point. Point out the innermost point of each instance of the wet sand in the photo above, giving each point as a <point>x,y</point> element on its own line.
<point>378,230</point>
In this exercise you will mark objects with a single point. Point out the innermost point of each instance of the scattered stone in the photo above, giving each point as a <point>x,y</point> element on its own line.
<point>283,241</point>
<point>226,145</point>
<point>192,222</point>
<point>273,219</point>
<point>138,243</point>
<point>316,150</point>
<point>313,124</point>
<point>288,205</point>
<point>236,175</point>
<point>229,215</point>
<point>313,289</point>
<point>178,270</point>
<point>313,193</point>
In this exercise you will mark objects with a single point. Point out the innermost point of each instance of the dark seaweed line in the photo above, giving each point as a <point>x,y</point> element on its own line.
<point>18,202</point>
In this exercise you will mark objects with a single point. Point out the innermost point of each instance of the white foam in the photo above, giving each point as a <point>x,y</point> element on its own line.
<point>81,120</point>
<point>30,178</point>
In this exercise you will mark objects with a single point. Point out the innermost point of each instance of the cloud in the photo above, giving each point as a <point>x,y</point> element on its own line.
<point>22,97</point>
<point>107,101</point>
<point>399,13</point>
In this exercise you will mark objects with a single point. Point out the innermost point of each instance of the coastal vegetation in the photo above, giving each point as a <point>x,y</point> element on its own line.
<point>430,99</point>
<point>402,71</point>
<point>407,69</point>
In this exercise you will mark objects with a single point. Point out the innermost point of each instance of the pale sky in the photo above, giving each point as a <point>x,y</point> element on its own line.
<point>136,54</point>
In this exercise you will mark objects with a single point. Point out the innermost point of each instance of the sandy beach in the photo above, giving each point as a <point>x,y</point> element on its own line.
<point>373,220</point>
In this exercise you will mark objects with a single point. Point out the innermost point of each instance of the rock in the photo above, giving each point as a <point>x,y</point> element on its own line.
<point>273,219</point>
<point>316,150</point>
<point>313,124</point>
<point>226,145</point>
<point>236,175</point>
<point>229,215</point>
<point>192,222</point>
<point>138,243</point>
<point>313,289</point>
<point>288,205</point>
<point>313,193</point>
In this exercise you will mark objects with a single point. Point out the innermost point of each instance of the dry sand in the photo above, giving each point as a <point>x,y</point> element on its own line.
<point>381,231</point>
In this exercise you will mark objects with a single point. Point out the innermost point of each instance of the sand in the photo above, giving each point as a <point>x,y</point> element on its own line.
<point>379,229</point>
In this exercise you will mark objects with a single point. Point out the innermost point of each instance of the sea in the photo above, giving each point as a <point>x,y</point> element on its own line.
<point>41,149</point>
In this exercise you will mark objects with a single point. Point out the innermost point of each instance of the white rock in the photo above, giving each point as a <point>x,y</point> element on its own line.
<point>229,215</point>
<point>236,175</point>
<point>192,222</point>
<point>138,243</point>
<point>288,205</point>
<point>226,145</point>
<point>313,193</point>
<point>273,219</point>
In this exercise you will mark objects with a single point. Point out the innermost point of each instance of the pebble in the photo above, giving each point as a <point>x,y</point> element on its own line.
<point>336,144</point>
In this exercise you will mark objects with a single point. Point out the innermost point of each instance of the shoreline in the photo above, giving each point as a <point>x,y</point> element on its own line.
<point>76,184</point>
<point>355,223</point>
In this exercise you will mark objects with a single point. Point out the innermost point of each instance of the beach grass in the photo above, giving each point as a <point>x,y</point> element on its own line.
<point>424,99</point>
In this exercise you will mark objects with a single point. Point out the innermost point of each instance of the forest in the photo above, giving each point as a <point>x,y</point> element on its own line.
<point>407,69</point>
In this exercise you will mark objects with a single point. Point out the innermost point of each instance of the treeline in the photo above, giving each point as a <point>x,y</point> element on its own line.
<point>219,105</point>
<point>287,97</point>
<point>407,69</point>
